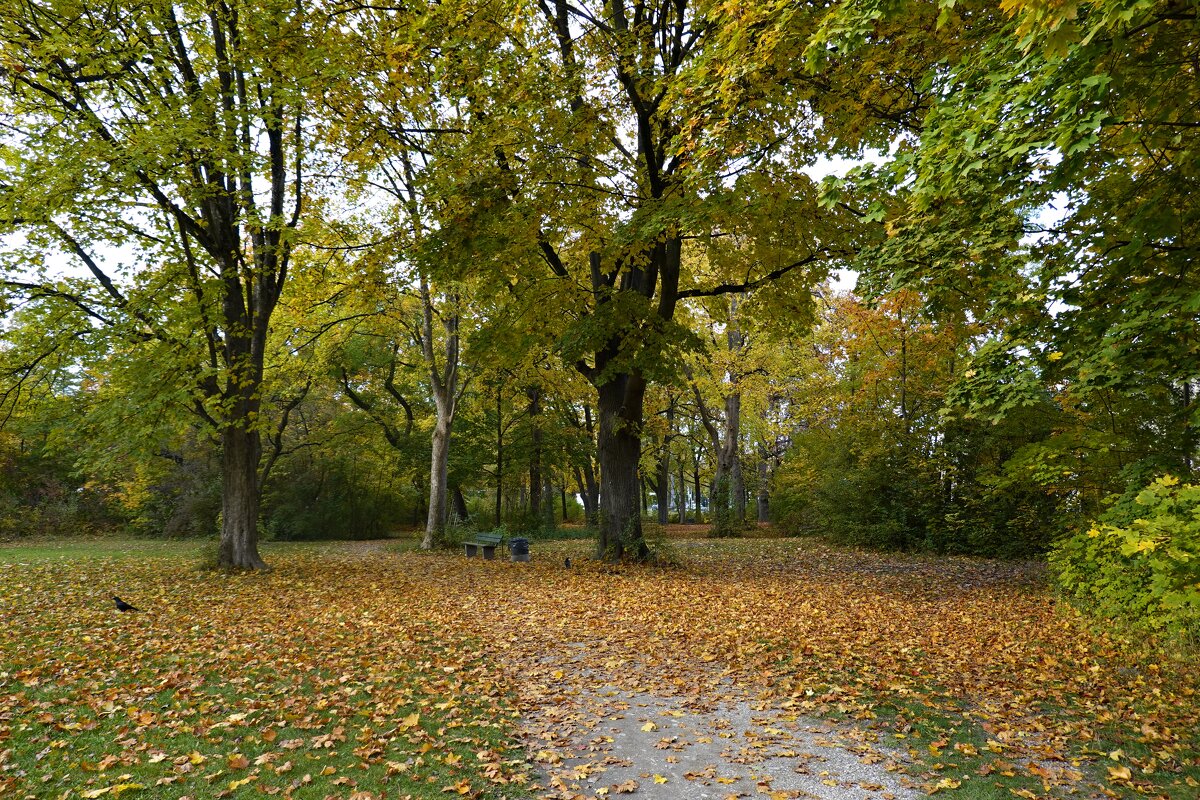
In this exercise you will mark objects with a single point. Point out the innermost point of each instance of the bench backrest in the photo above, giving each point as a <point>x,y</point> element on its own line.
<point>489,538</point>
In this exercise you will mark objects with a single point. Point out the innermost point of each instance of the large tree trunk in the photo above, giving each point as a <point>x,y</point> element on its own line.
<point>240,452</point>
<point>621,400</point>
<point>438,473</point>
<point>444,382</point>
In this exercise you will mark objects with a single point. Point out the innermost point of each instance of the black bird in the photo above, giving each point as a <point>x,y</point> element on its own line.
<point>567,562</point>
<point>122,605</point>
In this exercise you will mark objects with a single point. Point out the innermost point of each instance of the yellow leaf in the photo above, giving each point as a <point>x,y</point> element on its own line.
<point>196,758</point>
<point>649,726</point>
<point>1121,773</point>
<point>410,721</point>
<point>113,790</point>
<point>659,779</point>
<point>234,785</point>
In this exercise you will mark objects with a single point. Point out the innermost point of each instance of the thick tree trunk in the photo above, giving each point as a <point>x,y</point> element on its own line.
<point>445,386</point>
<point>620,406</point>
<point>439,470</point>
<point>239,499</point>
<point>438,473</point>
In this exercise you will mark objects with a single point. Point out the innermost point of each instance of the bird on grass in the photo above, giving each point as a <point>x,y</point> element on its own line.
<point>567,563</point>
<point>122,605</point>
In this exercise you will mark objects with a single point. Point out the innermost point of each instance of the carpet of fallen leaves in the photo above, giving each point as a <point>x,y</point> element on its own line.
<point>361,672</point>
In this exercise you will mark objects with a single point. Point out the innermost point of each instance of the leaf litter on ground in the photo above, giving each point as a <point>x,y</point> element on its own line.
<point>362,672</point>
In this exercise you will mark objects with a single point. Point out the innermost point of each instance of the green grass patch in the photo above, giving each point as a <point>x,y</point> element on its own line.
<point>306,682</point>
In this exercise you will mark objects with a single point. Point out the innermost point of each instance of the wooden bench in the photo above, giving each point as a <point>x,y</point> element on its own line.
<point>486,542</point>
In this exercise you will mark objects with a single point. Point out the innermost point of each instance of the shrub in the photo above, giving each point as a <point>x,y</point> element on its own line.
<point>1140,564</point>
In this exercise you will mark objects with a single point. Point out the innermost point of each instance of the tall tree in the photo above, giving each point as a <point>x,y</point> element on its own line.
<point>174,130</point>
<point>618,134</point>
<point>1052,183</point>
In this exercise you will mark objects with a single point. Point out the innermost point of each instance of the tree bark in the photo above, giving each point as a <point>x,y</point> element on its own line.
<point>682,495</point>
<point>620,406</point>
<point>239,499</point>
<point>435,523</point>
<point>499,455</point>
<point>444,382</point>
<point>732,457</point>
<point>663,489</point>
<point>764,487</point>
<point>590,485</point>
<point>535,454</point>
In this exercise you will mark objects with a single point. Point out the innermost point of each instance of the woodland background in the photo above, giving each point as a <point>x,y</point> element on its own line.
<point>334,270</point>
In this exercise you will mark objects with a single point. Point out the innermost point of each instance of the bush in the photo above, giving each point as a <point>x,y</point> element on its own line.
<point>1140,563</point>
<point>335,498</point>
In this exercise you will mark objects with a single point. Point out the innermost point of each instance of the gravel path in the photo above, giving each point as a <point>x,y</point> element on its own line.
<point>605,742</point>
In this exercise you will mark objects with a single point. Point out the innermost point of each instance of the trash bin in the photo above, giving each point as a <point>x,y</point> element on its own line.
<point>518,546</point>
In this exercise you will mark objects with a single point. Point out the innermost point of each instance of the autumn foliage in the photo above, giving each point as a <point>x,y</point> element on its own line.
<point>358,671</point>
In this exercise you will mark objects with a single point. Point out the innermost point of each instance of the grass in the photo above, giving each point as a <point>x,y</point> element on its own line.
<point>358,669</point>
<point>28,551</point>
<point>237,686</point>
<point>255,749</point>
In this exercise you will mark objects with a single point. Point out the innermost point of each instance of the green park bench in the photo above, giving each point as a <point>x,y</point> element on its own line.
<point>485,541</point>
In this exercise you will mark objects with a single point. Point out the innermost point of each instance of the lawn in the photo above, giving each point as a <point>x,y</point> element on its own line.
<point>368,670</point>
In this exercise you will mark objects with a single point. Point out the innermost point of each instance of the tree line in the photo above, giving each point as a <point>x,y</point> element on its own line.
<point>257,252</point>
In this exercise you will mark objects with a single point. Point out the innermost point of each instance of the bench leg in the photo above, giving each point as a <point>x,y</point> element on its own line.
<point>489,551</point>
<point>470,548</point>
